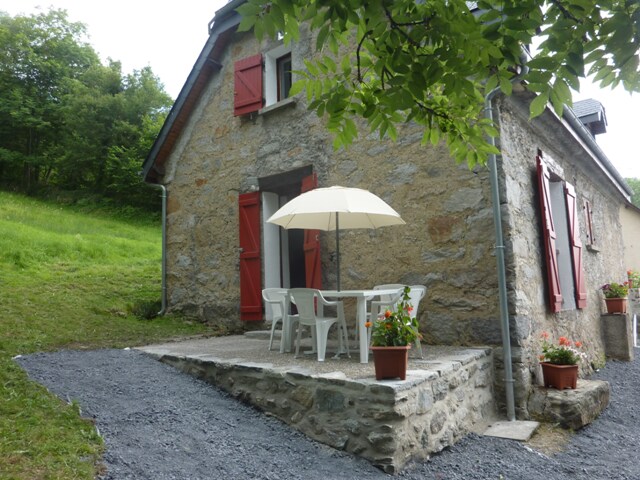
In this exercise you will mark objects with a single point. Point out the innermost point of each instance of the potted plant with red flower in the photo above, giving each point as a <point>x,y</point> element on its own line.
<point>559,362</point>
<point>391,339</point>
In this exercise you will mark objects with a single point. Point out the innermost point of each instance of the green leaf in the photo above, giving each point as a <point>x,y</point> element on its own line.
<point>492,83</point>
<point>297,87</point>
<point>538,105</point>
<point>322,37</point>
<point>506,86</point>
<point>246,23</point>
<point>543,63</point>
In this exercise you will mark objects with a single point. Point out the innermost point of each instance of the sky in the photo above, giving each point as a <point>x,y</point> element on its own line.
<point>168,37</point>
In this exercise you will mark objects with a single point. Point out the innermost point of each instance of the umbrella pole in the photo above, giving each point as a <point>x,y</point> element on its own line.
<point>338,247</point>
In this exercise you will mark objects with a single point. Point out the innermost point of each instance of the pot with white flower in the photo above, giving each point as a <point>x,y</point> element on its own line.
<point>391,338</point>
<point>559,362</point>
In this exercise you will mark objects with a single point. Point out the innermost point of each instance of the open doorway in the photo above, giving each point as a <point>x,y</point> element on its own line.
<point>284,250</point>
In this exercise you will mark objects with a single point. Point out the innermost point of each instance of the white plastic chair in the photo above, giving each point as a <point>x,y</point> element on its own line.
<point>385,301</point>
<point>305,301</point>
<point>416,294</point>
<point>276,310</point>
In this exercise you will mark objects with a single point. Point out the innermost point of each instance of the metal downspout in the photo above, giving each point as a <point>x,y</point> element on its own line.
<point>499,249</point>
<point>164,247</point>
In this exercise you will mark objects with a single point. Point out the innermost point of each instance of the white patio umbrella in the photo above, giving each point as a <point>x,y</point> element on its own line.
<point>335,208</point>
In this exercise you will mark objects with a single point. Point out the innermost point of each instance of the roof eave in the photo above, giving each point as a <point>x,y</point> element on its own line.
<point>225,21</point>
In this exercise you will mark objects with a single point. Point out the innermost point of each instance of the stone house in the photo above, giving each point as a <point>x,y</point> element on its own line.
<point>234,148</point>
<point>630,220</point>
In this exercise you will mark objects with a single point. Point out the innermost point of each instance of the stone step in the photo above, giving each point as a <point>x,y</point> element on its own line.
<point>570,408</point>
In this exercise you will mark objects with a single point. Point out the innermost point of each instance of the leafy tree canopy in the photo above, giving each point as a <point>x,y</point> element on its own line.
<point>67,120</point>
<point>433,62</point>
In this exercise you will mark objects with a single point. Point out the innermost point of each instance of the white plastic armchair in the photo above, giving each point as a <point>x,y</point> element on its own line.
<point>305,301</point>
<point>276,310</point>
<point>416,294</point>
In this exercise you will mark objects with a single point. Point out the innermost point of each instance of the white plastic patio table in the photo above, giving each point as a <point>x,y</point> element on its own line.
<point>361,312</point>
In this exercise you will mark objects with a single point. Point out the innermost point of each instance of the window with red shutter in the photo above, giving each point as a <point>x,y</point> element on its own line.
<point>549,237</point>
<point>248,85</point>
<point>576,245</point>
<point>250,266</point>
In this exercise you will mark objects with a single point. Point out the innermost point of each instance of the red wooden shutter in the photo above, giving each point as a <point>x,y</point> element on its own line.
<point>250,268</point>
<point>549,236</point>
<point>312,269</point>
<point>589,222</point>
<point>576,245</point>
<point>247,85</point>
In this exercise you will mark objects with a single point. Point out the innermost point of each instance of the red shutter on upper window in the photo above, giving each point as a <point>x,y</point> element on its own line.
<point>312,268</point>
<point>589,222</point>
<point>549,237</point>
<point>247,85</point>
<point>576,244</point>
<point>250,267</point>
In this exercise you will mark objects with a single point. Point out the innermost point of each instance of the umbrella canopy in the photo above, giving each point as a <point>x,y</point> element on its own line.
<point>333,208</point>
<point>320,208</point>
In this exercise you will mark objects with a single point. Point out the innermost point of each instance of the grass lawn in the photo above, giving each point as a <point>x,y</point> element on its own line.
<point>68,279</point>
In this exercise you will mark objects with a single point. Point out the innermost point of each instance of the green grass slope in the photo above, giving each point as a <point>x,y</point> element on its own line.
<point>67,280</point>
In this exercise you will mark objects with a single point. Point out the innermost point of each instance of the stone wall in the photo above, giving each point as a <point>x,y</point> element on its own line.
<point>529,310</point>
<point>446,244</point>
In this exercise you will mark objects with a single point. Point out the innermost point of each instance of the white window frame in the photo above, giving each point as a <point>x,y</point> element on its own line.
<point>270,80</point>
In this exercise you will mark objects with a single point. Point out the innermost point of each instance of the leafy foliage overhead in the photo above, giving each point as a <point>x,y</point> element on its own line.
<point>433,61</point>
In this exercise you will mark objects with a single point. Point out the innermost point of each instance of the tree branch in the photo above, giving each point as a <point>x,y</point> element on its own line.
<point>360,43</point>
<point>399,26</point>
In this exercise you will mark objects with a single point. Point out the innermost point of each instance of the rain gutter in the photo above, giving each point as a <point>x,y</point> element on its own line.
<point>163,190</point>
<point>499,249</point>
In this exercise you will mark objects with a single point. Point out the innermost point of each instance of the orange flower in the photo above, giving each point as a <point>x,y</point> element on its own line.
<point>388,326</point>
<point>387,313</point>
<point>564,341</point>
<point>545,335</point>
<point>367,324</point>
<point>541,358</point>
<point>578,344</point>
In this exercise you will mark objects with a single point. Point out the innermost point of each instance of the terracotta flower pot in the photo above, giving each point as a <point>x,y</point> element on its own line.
<point>616,305</point>
<point>391,362</point>
<point>559,376</point>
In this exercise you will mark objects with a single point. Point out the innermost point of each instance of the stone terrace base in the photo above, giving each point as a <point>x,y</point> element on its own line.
<point>338,402</point>
<point>570,408</point>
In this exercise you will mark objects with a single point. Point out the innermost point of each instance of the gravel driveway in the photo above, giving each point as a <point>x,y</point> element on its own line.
<point>161,424</point>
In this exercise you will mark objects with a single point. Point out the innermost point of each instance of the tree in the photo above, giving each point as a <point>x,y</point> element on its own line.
<point>37,55</point>
<point>433,62</point>
<point>634,184</point>
<point>68,121</point>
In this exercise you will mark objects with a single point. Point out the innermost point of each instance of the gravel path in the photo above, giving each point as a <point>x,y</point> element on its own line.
<point>161,424</point>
